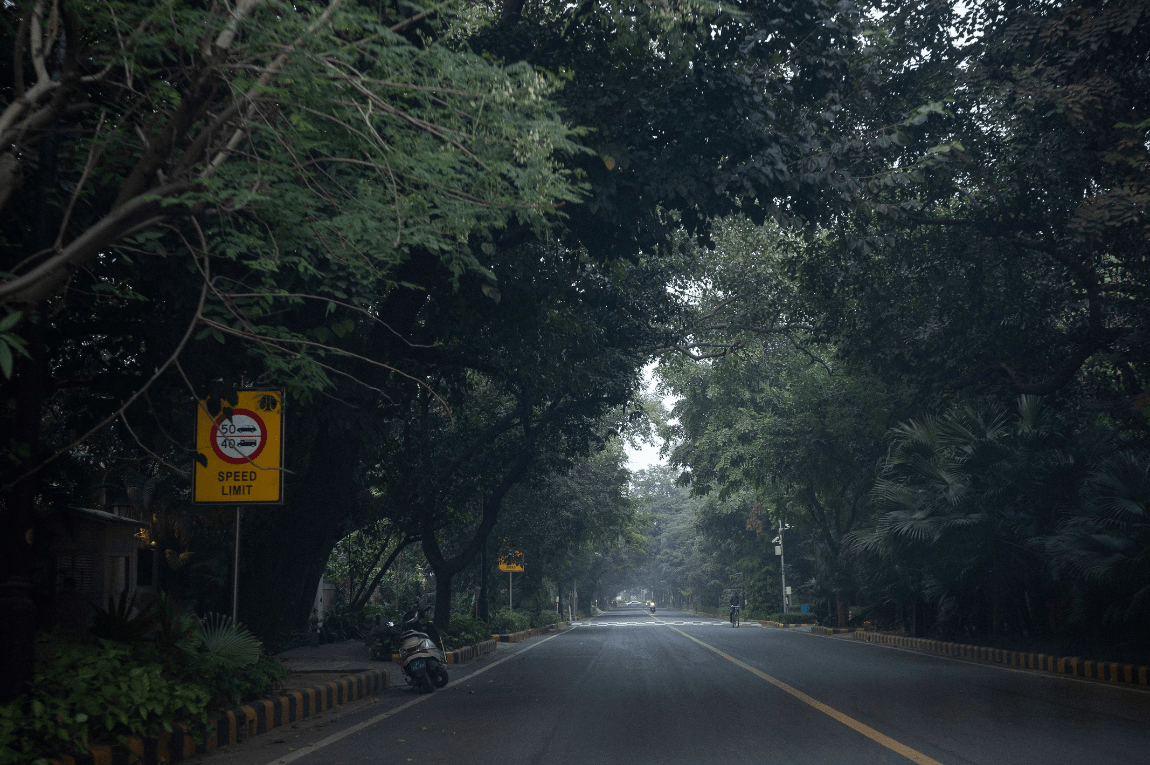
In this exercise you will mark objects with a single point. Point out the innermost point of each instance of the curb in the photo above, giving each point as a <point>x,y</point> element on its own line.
<point>819,630</point>
<point>469,652</point>
<point>1072,666</point>
<point>233,726</point>
<point>460,655</point>
<point>515,637</point>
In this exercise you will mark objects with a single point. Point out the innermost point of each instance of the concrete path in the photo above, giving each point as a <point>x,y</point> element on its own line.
<point>348,656</point>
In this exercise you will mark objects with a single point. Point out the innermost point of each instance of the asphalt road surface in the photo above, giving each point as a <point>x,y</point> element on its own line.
<point>627,687</point>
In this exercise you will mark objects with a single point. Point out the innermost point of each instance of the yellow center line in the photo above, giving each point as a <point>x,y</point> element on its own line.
<point>850,722</point>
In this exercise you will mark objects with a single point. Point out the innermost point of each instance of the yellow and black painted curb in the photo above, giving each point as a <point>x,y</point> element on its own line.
<point>1072,666</point>
<point>234,726</point>
<point>820,630</point>
<point>515,637</point>
<point>469,652</point>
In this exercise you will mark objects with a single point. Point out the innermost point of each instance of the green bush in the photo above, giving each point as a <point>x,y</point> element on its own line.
<point>229,687</point>
<point>544,618</point>
<point>384,642</point>
<point>505,620</point>
<point>92,694</point>
<point>218,654</point>
<point>466,630</point>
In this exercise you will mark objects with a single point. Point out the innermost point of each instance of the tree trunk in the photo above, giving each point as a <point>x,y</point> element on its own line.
<point>284,550</point>
<point>482,610</point>
<point>842,614</point>
<point>442,602</point>
<point>361,600</point>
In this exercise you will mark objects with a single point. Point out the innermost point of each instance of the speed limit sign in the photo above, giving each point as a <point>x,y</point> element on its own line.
<point>239,451</point>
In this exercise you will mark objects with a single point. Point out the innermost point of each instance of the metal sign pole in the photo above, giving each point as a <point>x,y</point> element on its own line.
<point>236,569</point>
<point>510,604</point>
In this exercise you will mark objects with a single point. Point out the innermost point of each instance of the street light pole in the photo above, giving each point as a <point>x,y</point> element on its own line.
<point>782,564</point>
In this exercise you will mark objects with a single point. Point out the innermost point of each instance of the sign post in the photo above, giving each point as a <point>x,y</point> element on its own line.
<point>236,569</point>
<point>239,459</point>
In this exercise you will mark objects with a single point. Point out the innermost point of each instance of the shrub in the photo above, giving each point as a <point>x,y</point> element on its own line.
<point>384,641</point>
<point>90,694</point>
<point>466,630</point>
<point>792,617</point>
<point>220,655</point>
<point>505,620</point>
<point>544,618</point>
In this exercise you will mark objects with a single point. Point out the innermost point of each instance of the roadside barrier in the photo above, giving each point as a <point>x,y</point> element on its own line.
<point>234,726</point>
<point>515,637</point>
<point>819,630</point>
<point>1073,666</point>
<point>469,652</point>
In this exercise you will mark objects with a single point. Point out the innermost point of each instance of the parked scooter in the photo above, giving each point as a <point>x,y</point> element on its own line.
<point>421,653</point>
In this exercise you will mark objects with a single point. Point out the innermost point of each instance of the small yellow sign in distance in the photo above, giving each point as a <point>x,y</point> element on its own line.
<point>239,454</point>
<point>511,561</point>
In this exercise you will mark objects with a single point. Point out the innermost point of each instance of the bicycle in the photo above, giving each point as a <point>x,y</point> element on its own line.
<point>734,616</point>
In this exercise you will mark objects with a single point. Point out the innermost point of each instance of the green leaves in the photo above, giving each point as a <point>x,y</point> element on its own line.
<point>11,344</point>
<point>227,644</point>
<point>92,694</point>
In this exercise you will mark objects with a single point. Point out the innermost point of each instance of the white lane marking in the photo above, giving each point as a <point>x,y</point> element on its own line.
<point>312,748</point>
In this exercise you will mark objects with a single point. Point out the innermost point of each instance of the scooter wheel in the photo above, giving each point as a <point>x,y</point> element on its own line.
<point>424,683</point>
<point>440,678</point>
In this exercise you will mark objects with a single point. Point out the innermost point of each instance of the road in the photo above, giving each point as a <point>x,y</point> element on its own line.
<point>629,688</point>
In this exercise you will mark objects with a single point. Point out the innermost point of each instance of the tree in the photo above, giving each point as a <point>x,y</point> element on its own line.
<point>561,521</point>
<point>290,201</point>
<point>1000,241</point>
<point>963,504</point>
<point>522,385</point>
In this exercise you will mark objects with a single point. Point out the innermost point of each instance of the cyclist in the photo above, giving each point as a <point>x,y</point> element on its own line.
<point>734,608</point>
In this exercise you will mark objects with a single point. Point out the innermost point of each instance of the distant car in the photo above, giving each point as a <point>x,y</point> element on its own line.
<point>633,603</point>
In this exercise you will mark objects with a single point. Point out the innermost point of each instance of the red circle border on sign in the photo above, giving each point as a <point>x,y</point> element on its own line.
<point>239,460</point>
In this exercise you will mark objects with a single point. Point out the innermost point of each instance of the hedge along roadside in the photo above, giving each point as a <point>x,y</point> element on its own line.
<point>236,725</point>
<point>1073,666</point>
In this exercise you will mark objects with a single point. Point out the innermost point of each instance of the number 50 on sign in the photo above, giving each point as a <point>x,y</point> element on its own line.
<point>239,452</point>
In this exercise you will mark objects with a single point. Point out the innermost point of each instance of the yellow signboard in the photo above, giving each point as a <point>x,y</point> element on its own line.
<point>239,453</point>
<point>511,561</point>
